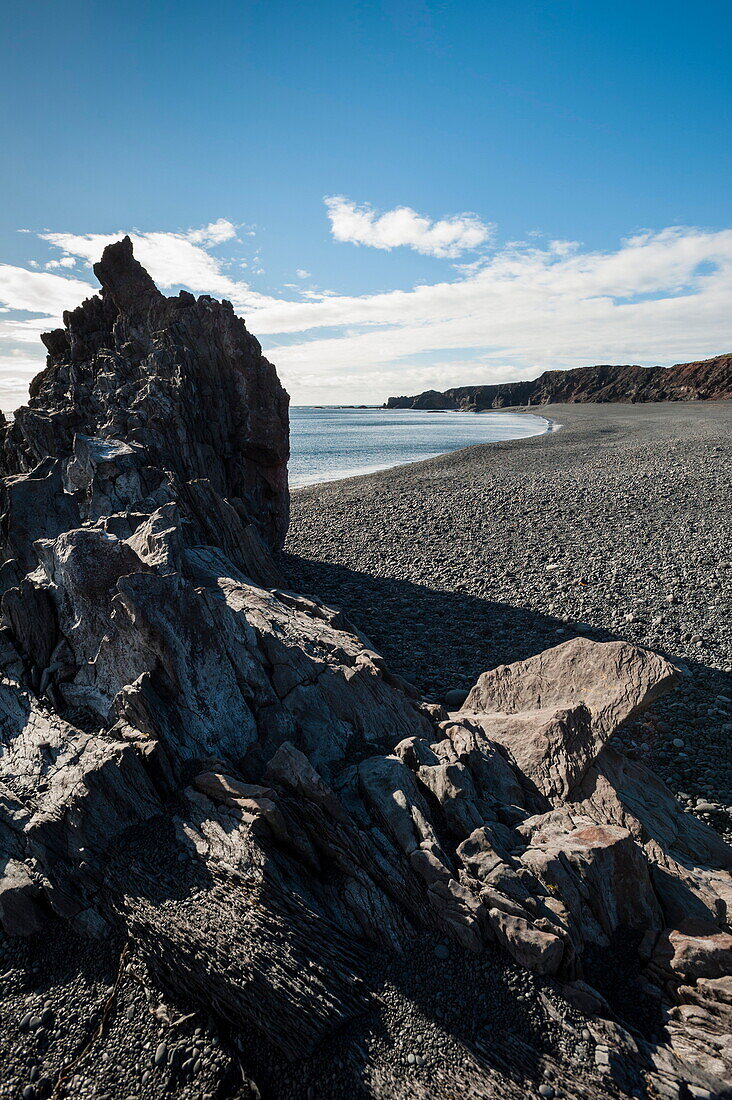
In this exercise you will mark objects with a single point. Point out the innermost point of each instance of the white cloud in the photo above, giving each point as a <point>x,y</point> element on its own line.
<point>303,274</point>
<point>215,233</point>
<point>27,331</point>
<point>65,261</point>
<point>404,227</point>
<point>171,258</point>
<point>40,291</point>
<point>35,292</point>
<point>523,312</point>
<point>658,297</point>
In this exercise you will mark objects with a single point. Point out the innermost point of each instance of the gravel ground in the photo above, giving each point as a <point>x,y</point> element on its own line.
<point>80,1019</point>
<point>618,526</point>
<point>615,525</point>
<point>447,1020</point>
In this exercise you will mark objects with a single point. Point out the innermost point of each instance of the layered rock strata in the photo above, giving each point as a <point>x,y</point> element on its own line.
<point>706,380</point>
<point>157,399</point>
<point>228,773</point>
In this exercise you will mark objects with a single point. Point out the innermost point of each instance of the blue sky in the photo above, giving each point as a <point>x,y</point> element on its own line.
<point>395,195</point>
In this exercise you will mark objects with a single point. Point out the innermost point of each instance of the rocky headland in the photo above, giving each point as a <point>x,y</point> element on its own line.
<point>707,380</point>
<point>240,854</point>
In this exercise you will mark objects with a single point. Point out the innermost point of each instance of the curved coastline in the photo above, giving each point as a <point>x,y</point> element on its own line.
<point>616,526</point>
<point>552,425</point>
<point>368,471</point>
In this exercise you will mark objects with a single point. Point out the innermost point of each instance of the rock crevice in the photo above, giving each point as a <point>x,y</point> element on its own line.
<point>227,772</point>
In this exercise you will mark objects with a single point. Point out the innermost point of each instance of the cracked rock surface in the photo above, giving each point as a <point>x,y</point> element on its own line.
<point>238,854</point>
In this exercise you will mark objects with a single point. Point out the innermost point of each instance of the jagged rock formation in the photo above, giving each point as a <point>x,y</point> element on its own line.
<point>228,772</point>
<point>707,380</point>
<point>172,393</point>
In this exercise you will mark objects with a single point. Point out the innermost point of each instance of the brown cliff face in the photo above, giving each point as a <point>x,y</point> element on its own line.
<point>179,378</point>
<point>707,380</point>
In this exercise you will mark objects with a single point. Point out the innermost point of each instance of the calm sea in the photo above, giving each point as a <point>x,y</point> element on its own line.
<point>328,443</point>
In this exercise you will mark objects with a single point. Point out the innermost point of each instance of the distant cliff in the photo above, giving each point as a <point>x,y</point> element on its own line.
<point>708,380</point>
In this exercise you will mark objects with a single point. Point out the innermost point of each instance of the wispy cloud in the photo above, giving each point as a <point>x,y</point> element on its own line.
<point>173,259</point>
<point>40,291</point>
<point>403,227</point>
<point>658,297</point>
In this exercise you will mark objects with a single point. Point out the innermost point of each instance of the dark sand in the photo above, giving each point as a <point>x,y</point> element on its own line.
<point>446,565</point>
<point>617,525</point>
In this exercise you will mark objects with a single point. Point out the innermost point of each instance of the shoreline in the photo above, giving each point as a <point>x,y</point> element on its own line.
<point>616,526</point>
<point>551,427</point>
<point>366,471</point>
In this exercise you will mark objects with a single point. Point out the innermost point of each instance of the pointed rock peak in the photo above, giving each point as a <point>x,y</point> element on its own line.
<point>124,278</point>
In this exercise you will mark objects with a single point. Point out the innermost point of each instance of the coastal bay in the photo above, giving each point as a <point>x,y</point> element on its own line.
<point>366,572</point>
<point>617,525</point>
<point>260,863</point>
<point>330,443</point>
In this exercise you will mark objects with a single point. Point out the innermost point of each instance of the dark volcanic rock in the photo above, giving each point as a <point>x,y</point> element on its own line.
<point>226,778</point>
<point>710,379</point>
<point>179,380</point>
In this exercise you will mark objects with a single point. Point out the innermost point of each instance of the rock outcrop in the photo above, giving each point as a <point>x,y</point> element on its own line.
<point>227,771</point>
<point>150,394</point>
<point>707,380</point>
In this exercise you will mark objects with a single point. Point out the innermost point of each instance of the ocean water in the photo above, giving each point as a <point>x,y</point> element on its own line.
<point>329,443</point>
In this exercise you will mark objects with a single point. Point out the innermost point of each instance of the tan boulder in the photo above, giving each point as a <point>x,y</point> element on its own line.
<point>613,679</point>
<point>555,711</point>
<point>695,950</point>
<point>536,950</point>
<point>601,867</point>
<point>552,748</point>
